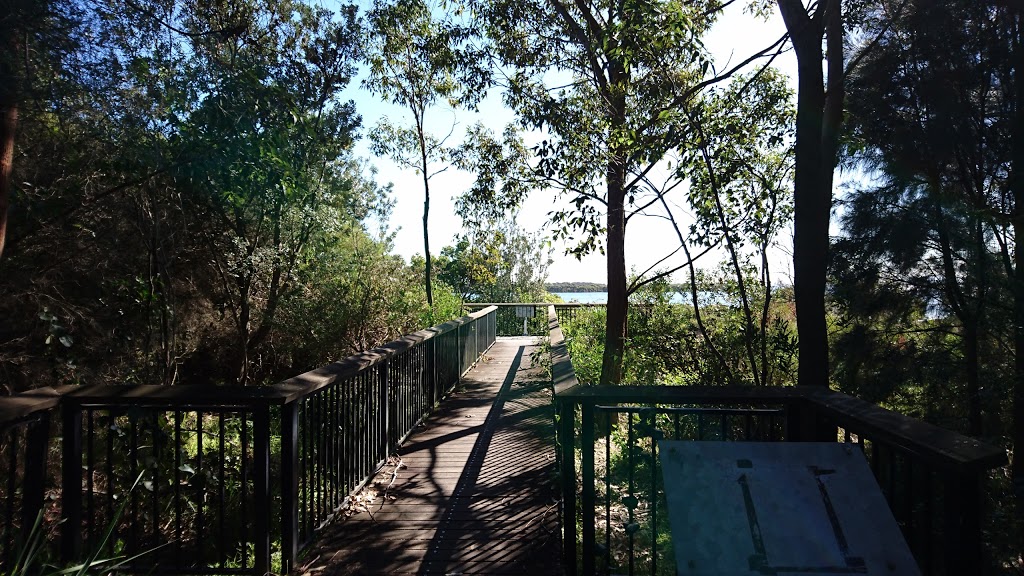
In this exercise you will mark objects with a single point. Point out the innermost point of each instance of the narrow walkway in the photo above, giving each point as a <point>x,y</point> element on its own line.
<point>475,491</point>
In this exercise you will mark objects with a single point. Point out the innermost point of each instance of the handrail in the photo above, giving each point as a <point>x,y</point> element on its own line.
<point>309,382</point>
<point>151,395</point>
<point>563,375</point>
<point>897,444</point>
<point>332,428</point>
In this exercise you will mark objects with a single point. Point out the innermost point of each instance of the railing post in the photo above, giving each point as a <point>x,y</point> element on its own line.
<point>430,370</point>
<point>458,352</point>
<point>384,401</point>
<point>289,486</point>
<point>71,491</point>
<point>37,445</point>
<point>962,530</point>
<point>589,496</point>
<point>261,489</point>
<point>567,471</point>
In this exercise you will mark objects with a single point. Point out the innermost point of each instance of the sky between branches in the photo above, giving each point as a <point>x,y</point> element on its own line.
<point>733,38</point>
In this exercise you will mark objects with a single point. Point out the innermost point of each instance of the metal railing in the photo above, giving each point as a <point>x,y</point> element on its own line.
<point>612,495</point>
<point>218,480</point>
<point>511,316</point>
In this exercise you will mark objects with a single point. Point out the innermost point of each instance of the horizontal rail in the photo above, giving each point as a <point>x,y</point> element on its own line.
<point>220,479</point>
<point>931,477</point>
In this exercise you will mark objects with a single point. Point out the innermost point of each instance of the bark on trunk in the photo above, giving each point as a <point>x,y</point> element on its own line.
<point>8,120</point>
<point>1017,184</point>
<point>819,115</point>
<point>8,126</point>
<point>615,181</point>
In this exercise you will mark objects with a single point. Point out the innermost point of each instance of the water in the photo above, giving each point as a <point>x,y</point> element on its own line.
<point>602,297</point>
<point>584,297</point>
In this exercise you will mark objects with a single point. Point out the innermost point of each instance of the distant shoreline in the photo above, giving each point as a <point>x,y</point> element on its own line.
<point>555,287</point>
<point>575,287</point>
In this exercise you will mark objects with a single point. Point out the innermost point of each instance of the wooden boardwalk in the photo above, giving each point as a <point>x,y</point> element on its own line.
<point>475,492</point>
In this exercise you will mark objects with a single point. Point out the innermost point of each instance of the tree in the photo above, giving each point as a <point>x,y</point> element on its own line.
<point>417,61</point>
<point>605,81</point>
<point>495,262</point>
<point>818,118</point>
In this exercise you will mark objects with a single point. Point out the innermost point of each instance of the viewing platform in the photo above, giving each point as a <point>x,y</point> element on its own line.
<point>462,448</point>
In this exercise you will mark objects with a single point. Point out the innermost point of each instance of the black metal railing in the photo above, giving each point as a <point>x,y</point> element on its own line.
<point>218,480</point>
<point>612,494</point>
<point>512,317</point>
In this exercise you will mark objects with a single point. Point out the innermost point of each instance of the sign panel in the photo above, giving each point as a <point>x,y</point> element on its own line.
<point>755,508</point>
<point>525,311</point>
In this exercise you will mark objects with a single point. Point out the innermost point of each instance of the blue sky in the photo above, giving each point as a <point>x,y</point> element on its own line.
<point>734,37</point>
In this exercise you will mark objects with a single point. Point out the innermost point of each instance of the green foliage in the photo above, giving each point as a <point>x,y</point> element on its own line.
<point>496,262</point>
<point>186,198</point>
<point>667,345</point>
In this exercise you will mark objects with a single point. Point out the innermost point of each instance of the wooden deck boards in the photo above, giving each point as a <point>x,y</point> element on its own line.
<point>476,493</point>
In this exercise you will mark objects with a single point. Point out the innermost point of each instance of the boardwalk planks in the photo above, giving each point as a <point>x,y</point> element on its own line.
<point>477,492</point>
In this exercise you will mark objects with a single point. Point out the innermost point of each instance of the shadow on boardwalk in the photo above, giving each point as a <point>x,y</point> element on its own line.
<point>476,492</point>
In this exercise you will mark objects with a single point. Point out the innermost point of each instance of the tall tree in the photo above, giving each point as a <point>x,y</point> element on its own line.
<point>606,81</point>
<point>818,118</point>
<point>418,61</point>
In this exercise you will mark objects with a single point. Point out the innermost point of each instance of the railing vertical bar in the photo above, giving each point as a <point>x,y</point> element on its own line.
<point>631,453</point>
<point>200,488</point>
<point>607,502</point>
<point>244,464</point>
<point>337,481</point>
<point>261,489</point>
<point>222,521</point>
<point>155,494</point>
<point>177,489</point>
<point>567,465</point>
<point>289,486</point>
<point>71,495</point>
<point>929,515</point>
<point>587,434</point>
<point>12,475</point>
<point>90,465</point>
<point>305,496</point>
<point>654,504</point>
<point>34,478</point>
<point>133,499</point>
<point>384,373</point>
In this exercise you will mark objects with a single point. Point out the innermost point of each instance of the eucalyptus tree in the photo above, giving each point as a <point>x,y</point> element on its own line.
<point>419,61</point>
<point>739,167</point>
<point>819,115</point>
<point>606,82</point>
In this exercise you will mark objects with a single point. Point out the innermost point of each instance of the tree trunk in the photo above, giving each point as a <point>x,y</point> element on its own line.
<point>817,126</point>
<point>615,181</point>
<point>8,126</point>
<point>1017,186</point>
<point>615,326</point>
<point>8,118</point>
<point>427,269</point>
